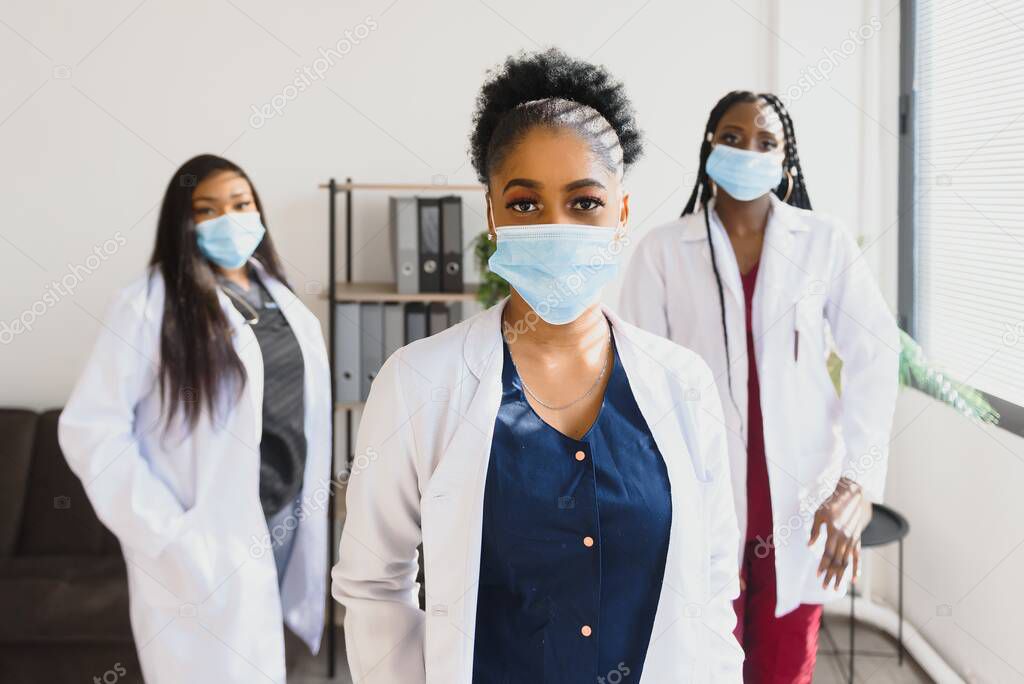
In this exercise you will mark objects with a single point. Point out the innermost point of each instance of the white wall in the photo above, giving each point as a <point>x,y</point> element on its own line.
<point>959,484</point>
<point>838,68</point>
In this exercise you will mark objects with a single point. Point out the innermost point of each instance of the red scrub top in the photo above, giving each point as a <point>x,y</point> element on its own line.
<point>759,500</point>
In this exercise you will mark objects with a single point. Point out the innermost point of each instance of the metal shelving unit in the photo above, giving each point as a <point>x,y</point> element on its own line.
<point>344,290</point>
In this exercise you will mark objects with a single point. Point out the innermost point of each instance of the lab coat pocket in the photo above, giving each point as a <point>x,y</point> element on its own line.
<point>184,570</point>
<point>808,330</point>
<point>811,348</point>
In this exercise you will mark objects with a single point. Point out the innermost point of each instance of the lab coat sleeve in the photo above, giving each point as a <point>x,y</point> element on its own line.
<point>375,576</point>
<point>642,299</point>
<point>97,432</point>
<point>723,539</point>
<point>867,341</point>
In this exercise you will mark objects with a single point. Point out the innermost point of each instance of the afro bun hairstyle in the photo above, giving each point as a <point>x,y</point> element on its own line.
<point>552,89</point>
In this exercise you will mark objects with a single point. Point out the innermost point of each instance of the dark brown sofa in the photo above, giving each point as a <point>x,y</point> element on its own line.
<point>62,576</point>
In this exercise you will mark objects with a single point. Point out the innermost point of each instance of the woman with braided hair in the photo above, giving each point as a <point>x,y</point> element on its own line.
<point>763,288</point>
<point>565,471</point>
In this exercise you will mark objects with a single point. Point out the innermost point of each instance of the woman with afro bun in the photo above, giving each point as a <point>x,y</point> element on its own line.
<point>565,471</point>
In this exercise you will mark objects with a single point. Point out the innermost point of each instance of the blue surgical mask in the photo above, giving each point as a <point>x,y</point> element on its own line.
<point>745,175</point>
<point>230,239</point>
<point>559,269</point>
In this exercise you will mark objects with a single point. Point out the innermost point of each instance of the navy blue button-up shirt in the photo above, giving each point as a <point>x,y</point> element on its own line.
<point>575,535</point>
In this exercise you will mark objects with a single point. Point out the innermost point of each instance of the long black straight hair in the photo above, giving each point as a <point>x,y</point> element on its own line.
<point>703,191</point>
<point>197,359</point>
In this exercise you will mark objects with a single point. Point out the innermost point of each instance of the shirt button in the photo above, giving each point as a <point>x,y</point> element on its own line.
<point>580,455</point>
<point>588,541</point>
<point>586,631</point>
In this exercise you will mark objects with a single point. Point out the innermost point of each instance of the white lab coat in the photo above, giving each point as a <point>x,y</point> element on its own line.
<point>419,471</point>
<point>813,288</point>
<point>204,598</point>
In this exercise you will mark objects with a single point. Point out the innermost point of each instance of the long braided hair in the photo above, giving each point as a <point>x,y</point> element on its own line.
<point>703,190</point>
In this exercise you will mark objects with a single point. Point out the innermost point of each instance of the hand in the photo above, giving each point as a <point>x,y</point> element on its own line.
<point>844,514</point>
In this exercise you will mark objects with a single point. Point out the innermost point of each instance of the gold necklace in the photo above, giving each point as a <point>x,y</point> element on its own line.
<point>577,399</point>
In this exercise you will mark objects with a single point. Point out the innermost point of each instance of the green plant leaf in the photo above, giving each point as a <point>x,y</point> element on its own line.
<point>493,287</point>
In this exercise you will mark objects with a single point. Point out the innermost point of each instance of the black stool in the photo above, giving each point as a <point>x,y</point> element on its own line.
<point>886,526</point>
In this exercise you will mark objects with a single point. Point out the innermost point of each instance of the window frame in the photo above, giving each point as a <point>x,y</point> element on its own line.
<point>1011,416</point>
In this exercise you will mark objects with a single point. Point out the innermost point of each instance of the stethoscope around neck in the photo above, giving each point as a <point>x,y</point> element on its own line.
<point>241,300</point>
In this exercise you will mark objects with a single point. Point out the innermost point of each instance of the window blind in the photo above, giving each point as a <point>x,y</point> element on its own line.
<point>969,191</point>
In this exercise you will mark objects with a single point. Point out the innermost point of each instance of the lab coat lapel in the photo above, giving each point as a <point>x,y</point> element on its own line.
<point>725,258</point>
<point>248,350</point>
<point>452,507</point>
<point>649,383</point>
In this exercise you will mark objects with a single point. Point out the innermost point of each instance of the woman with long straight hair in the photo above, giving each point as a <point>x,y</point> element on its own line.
<point>565,471</point>
<point>759,284</point>
<point>200,428</point>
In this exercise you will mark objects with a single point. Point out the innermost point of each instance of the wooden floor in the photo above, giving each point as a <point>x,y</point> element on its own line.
<point>831,669</point>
